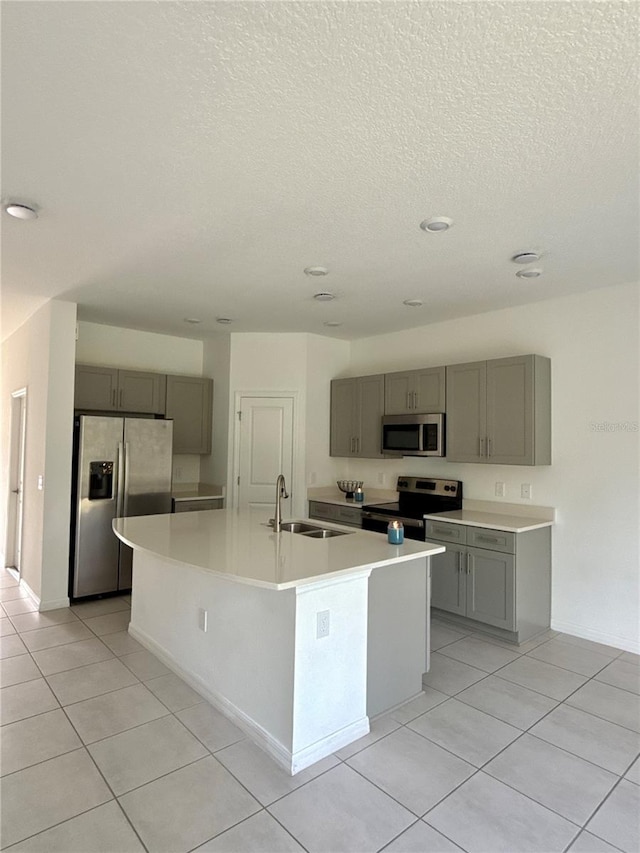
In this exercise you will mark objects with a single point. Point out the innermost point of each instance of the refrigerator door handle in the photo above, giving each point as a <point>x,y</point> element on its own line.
<point>120,483</point>
<point>125,490</point>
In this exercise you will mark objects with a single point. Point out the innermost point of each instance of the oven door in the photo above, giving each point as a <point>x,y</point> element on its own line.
<point>414,528</point>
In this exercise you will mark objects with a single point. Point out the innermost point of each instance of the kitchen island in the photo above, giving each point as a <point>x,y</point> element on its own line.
<point>297,640</point>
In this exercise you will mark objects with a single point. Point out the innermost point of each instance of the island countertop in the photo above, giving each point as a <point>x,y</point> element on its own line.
<point>237,546</point>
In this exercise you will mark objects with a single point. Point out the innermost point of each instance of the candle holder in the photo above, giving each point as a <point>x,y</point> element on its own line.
<point>395,533</point>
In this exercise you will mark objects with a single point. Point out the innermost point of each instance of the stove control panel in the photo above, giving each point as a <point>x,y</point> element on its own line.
<point>431,486</point>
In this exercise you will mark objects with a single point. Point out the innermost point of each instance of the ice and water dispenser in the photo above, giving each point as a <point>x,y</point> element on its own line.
<point>100,481</point>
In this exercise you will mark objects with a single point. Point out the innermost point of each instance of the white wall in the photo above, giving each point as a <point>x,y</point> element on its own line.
<point>40,357</point>
<point>593,343</point>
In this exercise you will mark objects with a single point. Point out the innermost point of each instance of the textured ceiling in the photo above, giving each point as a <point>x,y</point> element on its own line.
<point>191,159</point>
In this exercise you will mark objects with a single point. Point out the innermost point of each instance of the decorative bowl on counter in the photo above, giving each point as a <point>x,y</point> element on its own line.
<point>349,487</point>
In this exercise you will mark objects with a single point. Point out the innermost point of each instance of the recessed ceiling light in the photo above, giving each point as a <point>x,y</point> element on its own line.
<point>224,320</point>
<point>193,320</point>
<point>316,271</point>
<point>413,303</point>
<point>21,211</point>
<point>323,296</point>
<point>436,224</point>
<point>530,273</point>
<point>525,258</point>
<point>332,323</point>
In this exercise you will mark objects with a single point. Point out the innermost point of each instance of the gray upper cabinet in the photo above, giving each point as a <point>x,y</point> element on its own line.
<point>357,406</point>
<point>499,411</point>
<point>415,391</point>
<point>189,404</point>
<point>110,390</point>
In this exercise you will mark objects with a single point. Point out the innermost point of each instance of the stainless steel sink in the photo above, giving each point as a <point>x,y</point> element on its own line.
<point>325,533</point>
<point>299,527</point>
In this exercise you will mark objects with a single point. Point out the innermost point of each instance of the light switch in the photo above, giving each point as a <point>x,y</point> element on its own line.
<point>40,482</point>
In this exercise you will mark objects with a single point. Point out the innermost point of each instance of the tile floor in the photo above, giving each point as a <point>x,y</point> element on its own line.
<point>532,748</point>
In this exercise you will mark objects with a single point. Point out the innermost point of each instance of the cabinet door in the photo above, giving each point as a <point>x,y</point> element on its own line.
<point>448,584</point>
<point>189,404</point>
<point>398,393</point>
<point>491,588</point>
<point>140,391</point>
<point>370,407</point>
<point>343,417</point>
<point>510,411</point>
<point>466,412</point>
<point>96,388</point>
<point>429,390</point>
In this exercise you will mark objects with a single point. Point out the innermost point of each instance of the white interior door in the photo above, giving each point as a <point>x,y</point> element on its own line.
<point>16,478</point>
<point>265,450</point>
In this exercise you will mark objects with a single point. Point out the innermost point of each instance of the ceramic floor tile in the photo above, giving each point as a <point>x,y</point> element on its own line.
<point>145,665</point>
<point>507,701</point>
<point>421,838</point>
<point>411,769</point>
<point>450,676</point>
<point>630,657</point>
<point>621,674</point>
<point>6,627</point>
<point>410,710</point>
<point>575,658</point>
<point>211,727</point>
<point>12,593</point>
<point>122,643</point>
<point>104,829</point>
<point>486,815</point>
<point>562,782</point>
<point>633,773</point>
<point>71,656</point>
<point>85,682</point>
<point>57,635</point>
<point>36,739</point>
<point>592,738</point>
<point>100,607</point>
<point>256,834</point>
<point>109,623</point>
<point>25,700</point>
<point>478,653</point>
<point>11,646</point>
<point>320,814</point>
<point>32,621</point>
<point>39,797</point>
<point>587,843</point>
<point>20,605</point>
<point>610,703</point>
<point>135,757</point>
<point>542,677</point>
<point>18,669</point>
<point>261,776</point>
<point>378,728</point>
<point>618,819</point>
<point>590,645</point>
<point>113,713</point>
<point>188,807</point>
<point>173,692</point>
<point>7,580</point>
<point>442,635</point>
<point>471,734</point>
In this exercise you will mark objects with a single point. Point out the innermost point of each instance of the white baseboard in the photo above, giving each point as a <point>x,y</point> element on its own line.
<point>290,761</point>
<point>30,592</point>
<point>596,636</point>
<point>55,604</point>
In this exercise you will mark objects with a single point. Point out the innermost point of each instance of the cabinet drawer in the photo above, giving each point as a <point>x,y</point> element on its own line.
<point>319,510</point>
<point>492,540</point>
<point>349,515</point>
<point>197,506</point>
<point>456,533</point>
<point>335,512</point>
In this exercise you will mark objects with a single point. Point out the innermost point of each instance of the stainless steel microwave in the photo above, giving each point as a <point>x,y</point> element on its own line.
<point>413,435</point>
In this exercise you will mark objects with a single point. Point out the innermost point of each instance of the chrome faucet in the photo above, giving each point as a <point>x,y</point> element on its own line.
<point>281,492</point>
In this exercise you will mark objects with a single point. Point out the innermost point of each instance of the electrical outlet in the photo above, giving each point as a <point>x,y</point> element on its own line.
<point>525,491</point>
<point>322,624</point>
<point>499,490</point>
<point>177,474</point>
<point>203,619</point>
<point>312,478</point>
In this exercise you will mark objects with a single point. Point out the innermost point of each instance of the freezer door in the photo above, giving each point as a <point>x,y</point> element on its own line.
<point>147,480</point>
<point>95,567</point>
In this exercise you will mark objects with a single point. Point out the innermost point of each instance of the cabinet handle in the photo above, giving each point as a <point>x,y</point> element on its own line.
<point>121,396</point>
<point>459,561</point>
<point>468,563</point>
<point>480,448</point>
<point>415,399</point>
<point>488,448</point>
<point>481,538</point>
<point>351,444</point>
<point>357,440</point>
<point>408,399</point>
<point>113,398</point>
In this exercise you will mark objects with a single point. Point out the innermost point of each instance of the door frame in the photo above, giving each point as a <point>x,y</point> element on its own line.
<point>239,396</point>
<point>17,467</point>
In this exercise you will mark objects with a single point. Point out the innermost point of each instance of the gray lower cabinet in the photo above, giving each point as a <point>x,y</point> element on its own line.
<point>499,579</point>
<point>108,389</point>
<point>357,406</point>
<point>414,391</point>
<point>189,404</point>
<point>197,505</point>
<point>499,411</point>
<point>351,515</point>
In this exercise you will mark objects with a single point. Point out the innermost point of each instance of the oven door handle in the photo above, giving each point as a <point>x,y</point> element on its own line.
<point>408,522</point>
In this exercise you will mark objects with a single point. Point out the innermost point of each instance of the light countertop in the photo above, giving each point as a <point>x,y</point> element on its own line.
<point>238,547</point>
<point>196,492</point>
<point>493,520</point>
<point>329,495</point>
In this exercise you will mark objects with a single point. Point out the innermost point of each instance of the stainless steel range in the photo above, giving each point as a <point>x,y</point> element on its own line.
<point>417,497</point>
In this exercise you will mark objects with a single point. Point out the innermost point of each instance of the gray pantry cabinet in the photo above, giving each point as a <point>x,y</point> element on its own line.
<point>415,391</point>
<point>111,390</point>
<point>499,579</point>
<point>357,406</point>
<point>189,404</point>
<point>499,411</point>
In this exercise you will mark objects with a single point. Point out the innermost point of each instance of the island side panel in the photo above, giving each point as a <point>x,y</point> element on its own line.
<point>398,635</point>
<point>243,664</point>
<point>330,671</point>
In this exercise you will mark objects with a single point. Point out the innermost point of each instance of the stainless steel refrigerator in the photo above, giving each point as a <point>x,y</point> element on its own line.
<point>122,467</point>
